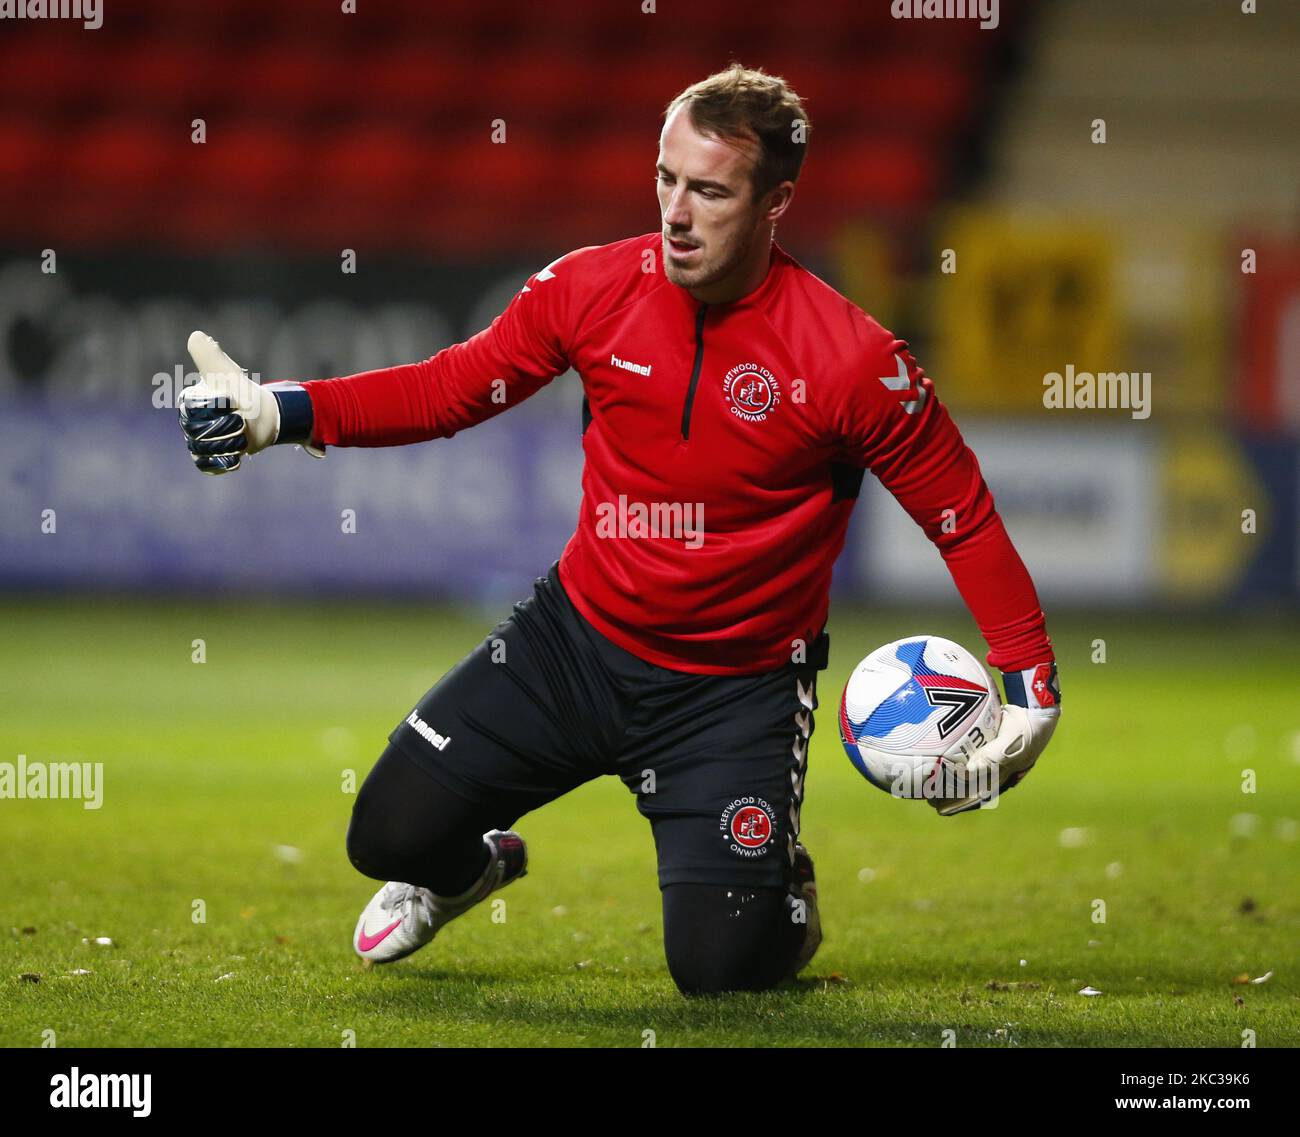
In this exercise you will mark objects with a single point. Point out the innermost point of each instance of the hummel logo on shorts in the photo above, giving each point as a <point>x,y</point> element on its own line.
<point>425,731</point>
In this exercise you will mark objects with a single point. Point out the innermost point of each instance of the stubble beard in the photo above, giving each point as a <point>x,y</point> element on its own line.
<point>712,270</point>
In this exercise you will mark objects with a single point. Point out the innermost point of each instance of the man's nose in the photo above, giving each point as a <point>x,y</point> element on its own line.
<point>675,212</point>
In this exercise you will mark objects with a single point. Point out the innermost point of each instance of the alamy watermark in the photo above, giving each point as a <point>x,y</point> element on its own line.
<point>89,12</point>
<point>83,781</point>
<point>943,779</point>
<point>986,11</point>
<point>75,1090</point>
<point>681,521</point>
<point>1104,390</point>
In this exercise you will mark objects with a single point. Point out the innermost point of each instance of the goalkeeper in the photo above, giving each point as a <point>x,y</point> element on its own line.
<point>736,397</point>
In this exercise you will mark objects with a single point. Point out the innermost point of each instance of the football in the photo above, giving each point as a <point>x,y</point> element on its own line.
<point>913,711</point>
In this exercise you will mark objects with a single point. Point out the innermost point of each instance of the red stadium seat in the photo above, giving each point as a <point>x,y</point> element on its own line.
<point>529,87</point>
<point>375,164</point>
<point>29,153</point>
<point>414,81</point>
<point>619,167</point>
<point>507,175</point>
<point>165,77</point>
<point>283,84</point>
<point>48,71</point>
<point>886,175</point>
<point>915,94</point>
<point>642,87</point>
<point>248,161</point>
<point>448,22</point>
<point>125,157</point>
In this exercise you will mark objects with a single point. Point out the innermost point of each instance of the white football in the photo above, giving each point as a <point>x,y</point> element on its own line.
<point>913,711</point>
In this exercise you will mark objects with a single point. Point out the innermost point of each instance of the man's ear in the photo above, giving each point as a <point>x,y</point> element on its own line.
<point>778,201</point>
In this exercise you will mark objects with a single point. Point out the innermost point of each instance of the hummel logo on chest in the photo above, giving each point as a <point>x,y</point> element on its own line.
<point>638,368</point>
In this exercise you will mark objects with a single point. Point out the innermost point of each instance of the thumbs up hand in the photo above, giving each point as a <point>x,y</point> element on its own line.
<point>225,415</point>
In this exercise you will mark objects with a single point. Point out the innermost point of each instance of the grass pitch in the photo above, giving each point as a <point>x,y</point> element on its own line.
<point>225,798</point>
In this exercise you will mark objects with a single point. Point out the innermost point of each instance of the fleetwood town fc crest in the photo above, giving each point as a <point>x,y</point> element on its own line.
<point>752,391</point>
<point>748,825</point>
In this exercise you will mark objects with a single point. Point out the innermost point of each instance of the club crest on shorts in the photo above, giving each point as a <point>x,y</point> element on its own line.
<point>748,825</point>
<point>752,391</point>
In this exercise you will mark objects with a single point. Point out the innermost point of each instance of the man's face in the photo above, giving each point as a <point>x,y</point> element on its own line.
<point>712,227</point>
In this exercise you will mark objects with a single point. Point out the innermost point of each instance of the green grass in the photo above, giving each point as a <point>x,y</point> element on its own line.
<point>209,767</point>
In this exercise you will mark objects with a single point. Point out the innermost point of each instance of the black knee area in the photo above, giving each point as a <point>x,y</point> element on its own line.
<point>721,938</point>
<point>406,826</point>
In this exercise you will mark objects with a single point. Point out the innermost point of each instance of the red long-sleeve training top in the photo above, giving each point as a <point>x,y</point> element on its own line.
<point>724,447</point>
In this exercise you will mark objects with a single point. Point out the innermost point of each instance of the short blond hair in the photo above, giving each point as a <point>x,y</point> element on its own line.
<point>743,102</point>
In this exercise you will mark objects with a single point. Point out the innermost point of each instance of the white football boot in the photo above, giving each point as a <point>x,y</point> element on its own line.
<point>402,918</point>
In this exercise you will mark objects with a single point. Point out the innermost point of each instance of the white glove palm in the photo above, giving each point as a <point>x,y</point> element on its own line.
<point>1023,734</point>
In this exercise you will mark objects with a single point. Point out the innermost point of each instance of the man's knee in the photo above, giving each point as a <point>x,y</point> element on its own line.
<point>407,827</point>
<point>373,847</point>
<point>392,849</point>
<point>379,845</point>
<point>719,938</point>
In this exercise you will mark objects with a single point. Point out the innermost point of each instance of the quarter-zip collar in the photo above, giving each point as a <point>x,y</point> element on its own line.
<point>758,298</point>
<point>702,313</point>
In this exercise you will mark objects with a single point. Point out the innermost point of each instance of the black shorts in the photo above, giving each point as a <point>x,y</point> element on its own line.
<point>546,703</point>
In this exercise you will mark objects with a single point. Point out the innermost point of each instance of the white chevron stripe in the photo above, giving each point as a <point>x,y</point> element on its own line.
<point>900,381</point>
<point>914,405</point>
